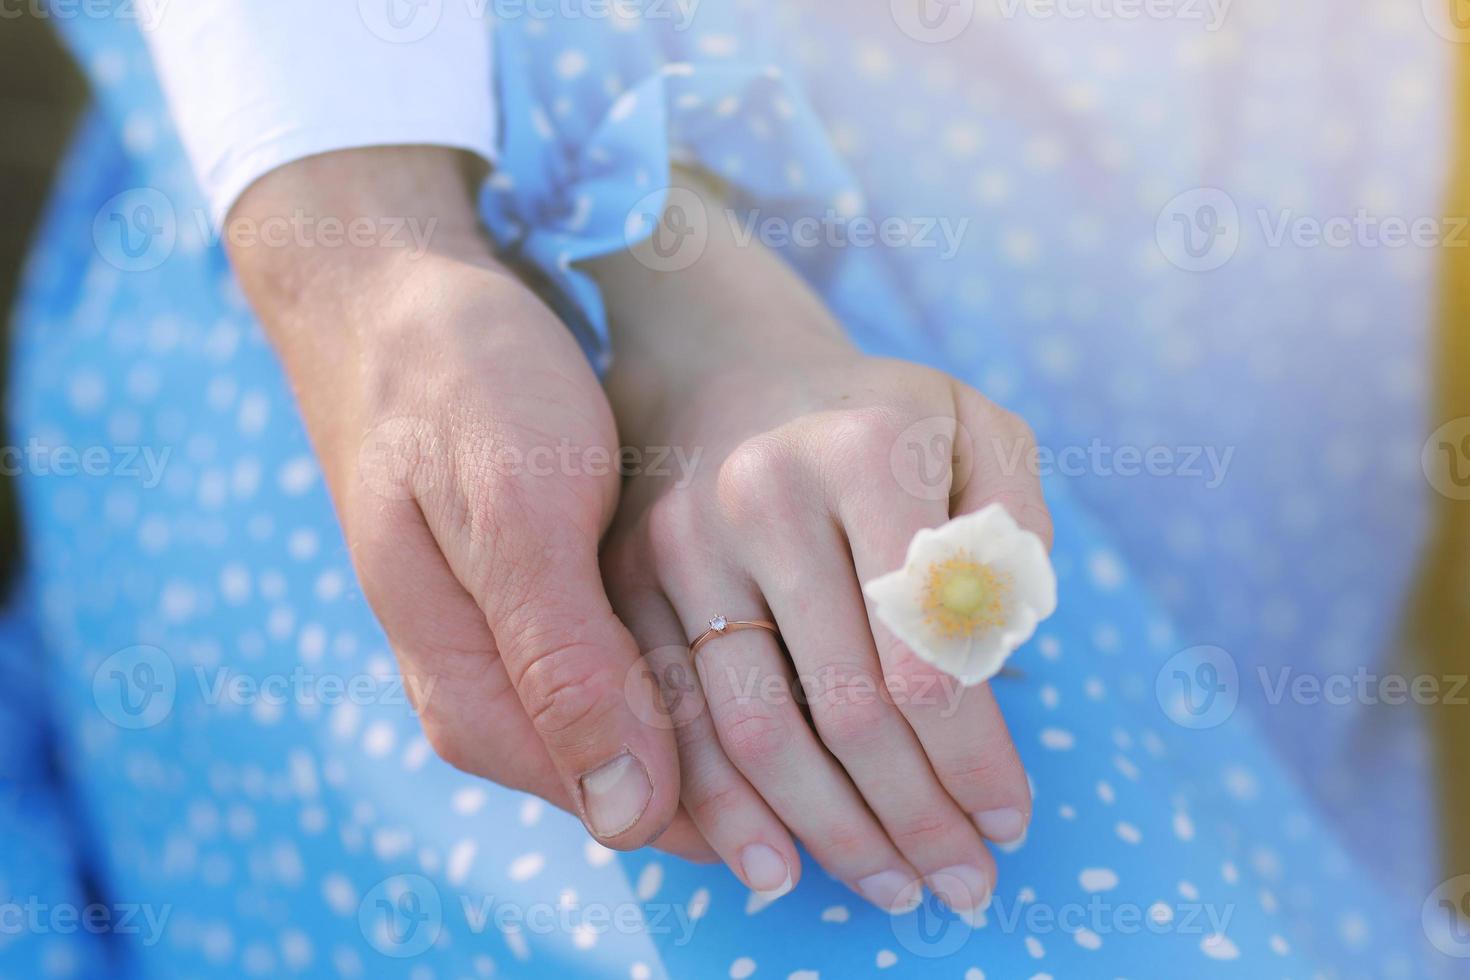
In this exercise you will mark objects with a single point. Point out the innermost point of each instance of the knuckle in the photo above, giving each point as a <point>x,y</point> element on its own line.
<point>754,481</point>
<point>754,739</point>
<point>710,802</point>
<point>867,450</point>
<point>846,730</point>
<point>565,694</point>
<point>984,766</point>
<point>846,837</point>
<point>848,709</point>
<point>922,830</point>
<point>863,439</point>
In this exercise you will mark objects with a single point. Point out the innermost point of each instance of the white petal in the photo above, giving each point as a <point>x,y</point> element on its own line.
<point>987,534</point>
<point>905,618</point>
<point>1033,583</point>
<point>930,546</point>
<point>991,537</point>
<point>988,653</point>
<point>894,589</point>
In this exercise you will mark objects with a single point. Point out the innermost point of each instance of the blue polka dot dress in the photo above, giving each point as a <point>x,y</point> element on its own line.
<point>206,738</point>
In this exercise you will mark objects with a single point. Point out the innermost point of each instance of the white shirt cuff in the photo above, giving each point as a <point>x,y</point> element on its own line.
<point>256,84</point>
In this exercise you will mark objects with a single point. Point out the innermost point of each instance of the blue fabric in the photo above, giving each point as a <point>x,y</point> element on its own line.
<point>44,890</point>
<point>317,835</point>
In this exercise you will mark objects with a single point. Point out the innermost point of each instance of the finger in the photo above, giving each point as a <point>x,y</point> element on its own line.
<point>470,711</point>
<point>686,840</point>
<point>726,810</point>
<point>466,703</point>
<point>535,576</point>
<point>960,728</point>
<point>833,650</point>
<point>682,838</point>
<point>748,690</point>
<point>567,654</point>
<point>995,448</point>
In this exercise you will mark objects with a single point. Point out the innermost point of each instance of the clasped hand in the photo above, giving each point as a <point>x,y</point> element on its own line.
<point>552,606</point>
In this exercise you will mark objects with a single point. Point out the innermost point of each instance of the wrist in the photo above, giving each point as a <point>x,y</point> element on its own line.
<point>731,299</point>
<point>321,240</point>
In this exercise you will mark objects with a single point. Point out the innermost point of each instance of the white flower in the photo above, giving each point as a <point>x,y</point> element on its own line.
<point>969,593</point>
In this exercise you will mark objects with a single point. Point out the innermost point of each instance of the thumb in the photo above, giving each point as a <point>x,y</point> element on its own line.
<point>578,673</point>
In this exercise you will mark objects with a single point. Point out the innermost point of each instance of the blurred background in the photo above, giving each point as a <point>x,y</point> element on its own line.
<point>41,97</point>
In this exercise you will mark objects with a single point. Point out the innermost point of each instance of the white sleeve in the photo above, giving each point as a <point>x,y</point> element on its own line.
<point>255,84</point>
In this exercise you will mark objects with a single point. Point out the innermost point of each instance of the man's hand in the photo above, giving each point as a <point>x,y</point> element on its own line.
<point>466,443</point>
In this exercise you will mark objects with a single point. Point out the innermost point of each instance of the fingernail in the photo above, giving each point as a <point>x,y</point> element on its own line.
<point>766,871</point>
<point>615,795</point>
<point>1002,826</point>
<point>892,891</point>
<point>962,887</point>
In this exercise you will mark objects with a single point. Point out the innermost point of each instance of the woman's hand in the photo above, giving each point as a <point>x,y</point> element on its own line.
<point>805,489</point>
<point>465,440</point>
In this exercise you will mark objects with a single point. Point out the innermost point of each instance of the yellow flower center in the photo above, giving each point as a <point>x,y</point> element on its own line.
<point>963,597</point>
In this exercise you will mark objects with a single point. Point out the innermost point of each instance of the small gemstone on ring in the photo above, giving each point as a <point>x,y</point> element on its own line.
<point>718,624</point>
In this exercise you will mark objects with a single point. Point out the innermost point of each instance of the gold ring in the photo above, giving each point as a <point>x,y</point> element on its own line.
<point>719,626</point>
